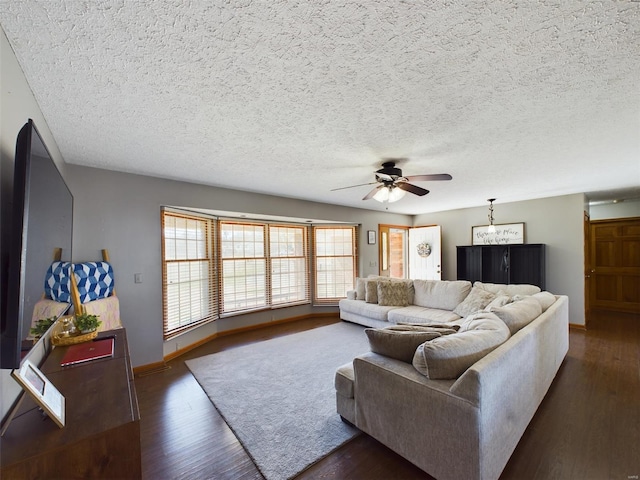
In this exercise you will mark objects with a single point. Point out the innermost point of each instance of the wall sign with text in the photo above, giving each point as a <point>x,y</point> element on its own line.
<point>505,234</point>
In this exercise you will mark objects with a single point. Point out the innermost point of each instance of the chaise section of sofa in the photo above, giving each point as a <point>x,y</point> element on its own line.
<point>464,427</point>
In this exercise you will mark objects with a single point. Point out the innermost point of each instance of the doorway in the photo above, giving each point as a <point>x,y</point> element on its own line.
<point>614,263</point>
<point>410,252</point>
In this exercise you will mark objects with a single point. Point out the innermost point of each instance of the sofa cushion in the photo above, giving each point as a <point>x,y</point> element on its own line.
<point>476,300</point>
<point>364,309</point>
<point>442,294</point>
<point>511,290</point>
<point>400,341</point>
<point>393,293</point>
<point>415,314</point>
<point>448,356</point>
<point>518,314</point>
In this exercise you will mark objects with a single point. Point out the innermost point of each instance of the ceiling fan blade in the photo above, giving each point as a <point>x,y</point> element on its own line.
<point>372,192</point>
<point>412,188</point>
<point>426,178</point>
<point>352,186</point>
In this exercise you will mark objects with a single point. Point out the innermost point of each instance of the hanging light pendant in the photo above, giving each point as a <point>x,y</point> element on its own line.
<point>492,227</point>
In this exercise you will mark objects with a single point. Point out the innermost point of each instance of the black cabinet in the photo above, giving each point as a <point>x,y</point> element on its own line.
<point>502,263</point>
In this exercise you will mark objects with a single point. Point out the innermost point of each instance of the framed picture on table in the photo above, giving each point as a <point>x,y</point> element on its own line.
<point>33,381</point>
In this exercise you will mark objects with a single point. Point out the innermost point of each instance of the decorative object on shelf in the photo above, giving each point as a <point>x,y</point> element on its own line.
<point>491,228</point>
<point>371,237</point>
<point>67,332</point>
<point>41,327</point>
<point>505,234</point>
<point>424,249</point>
<point>87,323</point>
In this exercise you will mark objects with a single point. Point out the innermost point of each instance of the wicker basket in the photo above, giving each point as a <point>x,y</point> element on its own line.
<point>73,339</point>
<point>61,338</point>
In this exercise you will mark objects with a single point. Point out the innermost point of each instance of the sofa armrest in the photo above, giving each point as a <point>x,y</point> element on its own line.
<point>418,418</point>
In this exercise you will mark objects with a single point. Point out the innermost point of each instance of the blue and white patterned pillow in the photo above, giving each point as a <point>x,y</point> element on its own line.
<point>95,280</point>
<point>56,282</point>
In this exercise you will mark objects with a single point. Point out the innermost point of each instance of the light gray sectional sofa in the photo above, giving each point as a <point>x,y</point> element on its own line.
<point>460,406</point>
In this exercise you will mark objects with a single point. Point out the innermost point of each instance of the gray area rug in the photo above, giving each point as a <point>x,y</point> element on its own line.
<point>278,396</point>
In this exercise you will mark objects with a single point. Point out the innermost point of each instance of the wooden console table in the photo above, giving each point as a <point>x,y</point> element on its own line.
<point>101,437</point>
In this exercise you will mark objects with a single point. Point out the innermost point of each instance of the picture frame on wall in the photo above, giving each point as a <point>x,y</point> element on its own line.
<point>504,234</point>
<point>371,237</point>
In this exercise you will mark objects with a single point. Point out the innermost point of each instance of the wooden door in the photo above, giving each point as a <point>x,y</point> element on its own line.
<point>615,265</point>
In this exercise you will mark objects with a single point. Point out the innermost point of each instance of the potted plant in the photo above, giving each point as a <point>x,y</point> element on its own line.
<point>42,326</point>
<point>87,323</point>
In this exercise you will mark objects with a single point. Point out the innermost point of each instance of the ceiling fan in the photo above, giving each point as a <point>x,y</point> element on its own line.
<point>392,185</point>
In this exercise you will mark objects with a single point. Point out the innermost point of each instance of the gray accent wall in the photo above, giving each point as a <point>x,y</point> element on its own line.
<point>121,212</point>
<point>555,221</point>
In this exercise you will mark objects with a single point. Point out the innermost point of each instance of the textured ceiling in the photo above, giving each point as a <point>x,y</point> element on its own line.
<point>515,99</point>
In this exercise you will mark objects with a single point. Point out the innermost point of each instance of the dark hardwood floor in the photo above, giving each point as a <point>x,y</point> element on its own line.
<point>587,427</point>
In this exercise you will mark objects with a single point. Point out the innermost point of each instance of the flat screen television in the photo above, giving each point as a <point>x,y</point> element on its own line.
<point>41,221</point>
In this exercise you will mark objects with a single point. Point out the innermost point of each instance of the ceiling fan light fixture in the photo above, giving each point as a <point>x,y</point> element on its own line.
<point>382,195</point>
<point>389,194</point>
<point>396,194</point>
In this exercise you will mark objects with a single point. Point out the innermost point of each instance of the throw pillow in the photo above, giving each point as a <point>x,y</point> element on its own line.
<point>500,301</point>
<point>400,341</point>
<point>476,300</point>
<point>518,314</point>
<point>393,294</point>
<point>449,356</point>
<point>546,299</point>
<point>371,291</point>
<point>361,288</point>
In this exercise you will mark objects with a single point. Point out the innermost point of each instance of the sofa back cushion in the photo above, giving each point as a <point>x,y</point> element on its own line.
<point>442,294</point>
<point>448,357</point>
<point>511,289</point>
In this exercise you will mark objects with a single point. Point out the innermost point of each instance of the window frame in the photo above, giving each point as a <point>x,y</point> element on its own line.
<point>216,268</point>
<point>333,301</point>
<point>209,258</point>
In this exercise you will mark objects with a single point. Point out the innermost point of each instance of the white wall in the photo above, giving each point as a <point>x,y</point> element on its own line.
<point>121,212</point>
<point>626,209</point>
<point>556,222</point>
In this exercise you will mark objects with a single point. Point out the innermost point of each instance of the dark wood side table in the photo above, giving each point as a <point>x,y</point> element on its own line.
<point>101,437</point>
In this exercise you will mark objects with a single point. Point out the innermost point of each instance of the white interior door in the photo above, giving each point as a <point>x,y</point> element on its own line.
<point>425,253</point>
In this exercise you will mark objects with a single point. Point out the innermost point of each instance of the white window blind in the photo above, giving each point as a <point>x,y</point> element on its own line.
<point>244,266</point>
<point>289,264</point>
<point>334,262</point>
<point>188,294</point>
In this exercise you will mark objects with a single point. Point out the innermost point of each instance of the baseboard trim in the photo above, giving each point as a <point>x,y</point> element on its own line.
<point>150,369</point>
<point>193,346</point>
<point>577,326</point>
